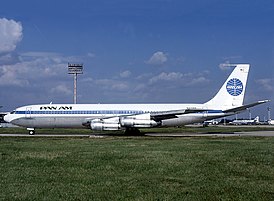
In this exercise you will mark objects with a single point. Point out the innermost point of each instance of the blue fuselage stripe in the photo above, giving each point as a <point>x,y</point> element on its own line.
<point>82,112</point>
<point>119,112</point>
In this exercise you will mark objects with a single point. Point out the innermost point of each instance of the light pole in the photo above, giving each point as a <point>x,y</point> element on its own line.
<point>75,69</point>
<point>249,113</point>
<point>268,111</point>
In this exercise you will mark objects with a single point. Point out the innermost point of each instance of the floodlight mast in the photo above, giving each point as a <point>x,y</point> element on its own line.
<point>75,69</point>
<point>268,111</point>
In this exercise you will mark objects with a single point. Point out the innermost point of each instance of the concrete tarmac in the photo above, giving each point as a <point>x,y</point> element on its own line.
<point>43,135</point>
<point>254,133</point>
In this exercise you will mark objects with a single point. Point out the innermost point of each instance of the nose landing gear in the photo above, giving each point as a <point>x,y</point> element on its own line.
<point>31,131</point>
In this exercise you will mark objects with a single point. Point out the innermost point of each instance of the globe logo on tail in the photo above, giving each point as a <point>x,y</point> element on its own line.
<point>234,87</point>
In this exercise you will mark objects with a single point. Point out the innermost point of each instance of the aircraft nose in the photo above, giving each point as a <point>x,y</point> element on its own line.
<point>6,118</point>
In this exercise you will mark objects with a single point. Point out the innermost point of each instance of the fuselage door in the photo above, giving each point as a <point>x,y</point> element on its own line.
<point>28,112</point>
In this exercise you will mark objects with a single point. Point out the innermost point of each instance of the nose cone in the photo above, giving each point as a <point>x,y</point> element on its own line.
<point>7,118</point>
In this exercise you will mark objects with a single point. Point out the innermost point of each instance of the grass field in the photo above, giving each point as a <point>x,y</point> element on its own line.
<point>137,168</point>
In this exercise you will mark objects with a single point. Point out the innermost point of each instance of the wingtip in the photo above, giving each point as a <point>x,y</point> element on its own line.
<point>265,101</point>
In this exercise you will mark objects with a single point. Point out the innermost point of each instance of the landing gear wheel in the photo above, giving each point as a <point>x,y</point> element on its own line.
<point>132,131</point>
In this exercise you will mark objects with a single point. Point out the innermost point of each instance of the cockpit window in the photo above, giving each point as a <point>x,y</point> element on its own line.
<point>13,112</point>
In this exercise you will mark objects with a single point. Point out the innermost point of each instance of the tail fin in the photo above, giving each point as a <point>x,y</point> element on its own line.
<point>233,90</point>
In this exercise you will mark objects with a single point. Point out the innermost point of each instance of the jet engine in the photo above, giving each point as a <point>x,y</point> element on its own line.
<point>110,124</point>
<point>138,121</point>
<point>104,127</point>
<point>118,123</point>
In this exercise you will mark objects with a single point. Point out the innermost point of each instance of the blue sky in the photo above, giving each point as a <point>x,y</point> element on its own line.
<point>133,51</point>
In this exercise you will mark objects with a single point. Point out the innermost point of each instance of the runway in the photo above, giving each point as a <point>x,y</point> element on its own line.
<point>238,134</point>
<point>255,133</point>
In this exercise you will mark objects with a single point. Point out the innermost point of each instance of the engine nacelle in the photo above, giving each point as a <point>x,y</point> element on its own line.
<point>116,123</point>
<point>111,124</point>
<point>99,126</point>
<point>138,121</point>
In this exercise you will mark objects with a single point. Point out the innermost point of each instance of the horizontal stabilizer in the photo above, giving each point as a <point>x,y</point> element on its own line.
<point>244,107</point>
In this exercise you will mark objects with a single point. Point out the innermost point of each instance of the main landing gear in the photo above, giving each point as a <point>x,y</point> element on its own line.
<point>31,131</point>
<point>133,131</point>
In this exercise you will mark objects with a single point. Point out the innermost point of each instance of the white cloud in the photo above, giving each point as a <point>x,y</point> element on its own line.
<point>227,65</point>
<point>187,79</point>
<point>9,77</point>
<point>9,58</point>
<point>43,66</point>
<point>198,80</point>
<point>10,35</point>
<point>40,54</point>
<point>173,76</point>
<point>158,58</point>
<point>267,84</point>
<point>63,89</point>
<point>112,84</point>
<point>125,74</point>
<point>119,86</point>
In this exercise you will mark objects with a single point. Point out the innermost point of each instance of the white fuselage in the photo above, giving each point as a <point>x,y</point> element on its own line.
<point>80,115</point>
<point>243,122</point>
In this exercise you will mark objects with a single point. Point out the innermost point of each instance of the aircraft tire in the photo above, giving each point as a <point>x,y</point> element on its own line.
<point>31,132</point>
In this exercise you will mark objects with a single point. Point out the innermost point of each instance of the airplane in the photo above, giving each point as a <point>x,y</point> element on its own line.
<point>131,117</point>
<point>210,122</point>
<point>246,121</point>
<point>270,122</point>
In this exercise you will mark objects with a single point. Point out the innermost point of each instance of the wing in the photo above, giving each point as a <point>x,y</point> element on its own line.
<point>158,116</point>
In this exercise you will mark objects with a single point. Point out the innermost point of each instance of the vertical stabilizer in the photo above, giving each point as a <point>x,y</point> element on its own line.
<point>233,90</point>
